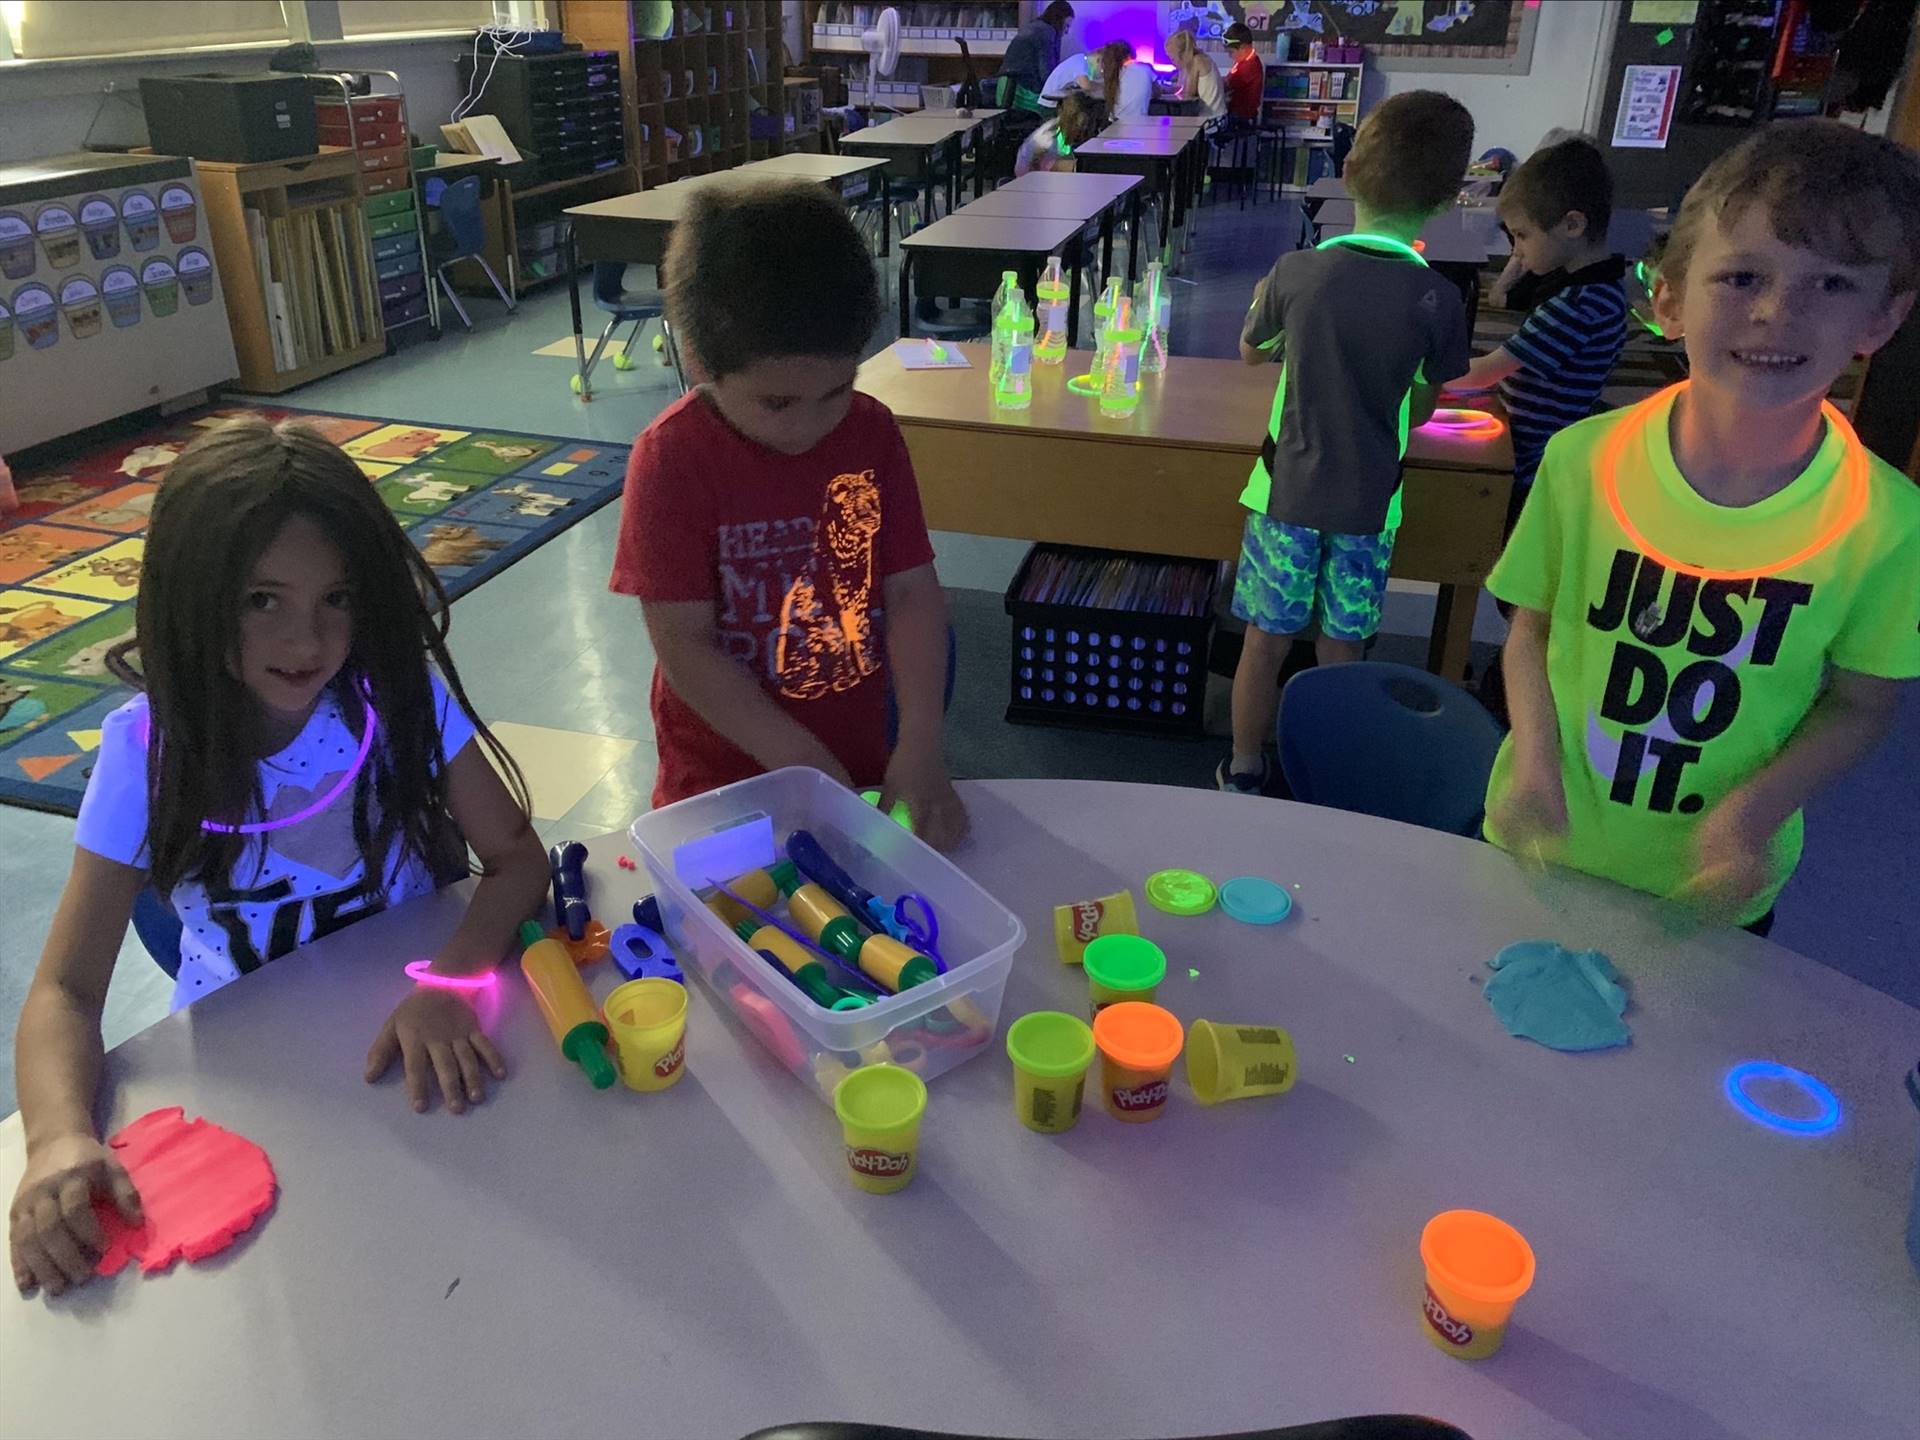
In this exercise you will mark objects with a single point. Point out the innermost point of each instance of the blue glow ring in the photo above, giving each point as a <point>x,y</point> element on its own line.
<point>1829,1103</point>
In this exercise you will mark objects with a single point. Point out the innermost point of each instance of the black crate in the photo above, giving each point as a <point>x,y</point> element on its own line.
<point>1108,669</point>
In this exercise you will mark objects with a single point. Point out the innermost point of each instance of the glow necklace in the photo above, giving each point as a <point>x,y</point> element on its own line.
<point>262,827</point>
<point>1853,474</point>
<point>1374,242</point>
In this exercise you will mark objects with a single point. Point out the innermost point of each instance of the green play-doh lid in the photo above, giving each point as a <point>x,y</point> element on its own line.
<point>1125,962</point>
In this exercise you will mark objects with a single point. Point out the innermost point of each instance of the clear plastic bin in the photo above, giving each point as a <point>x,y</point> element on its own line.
<point>931,1027</point>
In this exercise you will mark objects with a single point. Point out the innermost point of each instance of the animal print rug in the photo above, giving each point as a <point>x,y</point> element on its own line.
<point>473,501</point>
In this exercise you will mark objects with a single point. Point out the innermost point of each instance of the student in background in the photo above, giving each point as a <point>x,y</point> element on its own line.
<point>1551,370</point>
<point>1125,84</point>
<point>771,526</point>
<point>1246,82</point>
<point>1718,589</point>
<point>1513,288</point>
<point>1367,334</point>
<point>1199,76</point>
<point>1033,53</point>
<point>1051,146</point>
<point>1080,71</point>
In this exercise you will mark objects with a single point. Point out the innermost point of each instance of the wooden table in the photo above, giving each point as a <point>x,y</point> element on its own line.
<point>964,255</point>
<point>563,1262</point>
<point>1166,479</point>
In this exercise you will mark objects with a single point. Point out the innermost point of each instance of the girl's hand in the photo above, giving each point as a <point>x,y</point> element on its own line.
<point>921,780</point>
<point>56,1238</point>
<point>434,1031</point>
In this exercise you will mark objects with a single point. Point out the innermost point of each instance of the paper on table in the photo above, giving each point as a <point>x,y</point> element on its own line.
<point>922,355</point>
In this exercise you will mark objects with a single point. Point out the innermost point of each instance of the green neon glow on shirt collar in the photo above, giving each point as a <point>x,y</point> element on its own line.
<point>1381,242</point>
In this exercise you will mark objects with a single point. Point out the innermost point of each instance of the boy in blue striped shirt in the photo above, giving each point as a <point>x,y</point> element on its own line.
<point>1551,370</point>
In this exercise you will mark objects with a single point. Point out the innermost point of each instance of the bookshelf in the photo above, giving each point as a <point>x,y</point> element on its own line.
<point>690,96</point>
<point>929,52</point>
<point>298,225</point>
<point>1302,90</point>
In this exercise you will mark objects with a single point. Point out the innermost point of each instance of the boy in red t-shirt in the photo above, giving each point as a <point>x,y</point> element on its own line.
<point>771,518</point>
<point>1247,81</point>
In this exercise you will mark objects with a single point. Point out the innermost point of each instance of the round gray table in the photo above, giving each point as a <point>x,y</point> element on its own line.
<point>695,1263</point>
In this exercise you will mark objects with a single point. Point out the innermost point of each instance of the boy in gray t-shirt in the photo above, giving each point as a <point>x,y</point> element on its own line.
<point>1366,335</point>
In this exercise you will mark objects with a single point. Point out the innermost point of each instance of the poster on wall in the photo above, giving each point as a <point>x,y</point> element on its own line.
<point>1645,118</point>
<point>1366,22</point>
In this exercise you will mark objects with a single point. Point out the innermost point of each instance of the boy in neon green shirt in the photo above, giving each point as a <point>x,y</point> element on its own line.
<point>1721,591</point>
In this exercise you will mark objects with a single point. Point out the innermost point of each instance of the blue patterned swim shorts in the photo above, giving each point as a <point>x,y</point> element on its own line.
<point>1289,575</point>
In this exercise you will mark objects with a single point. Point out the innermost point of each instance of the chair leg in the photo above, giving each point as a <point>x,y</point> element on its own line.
<point>453,299</point>
<point>498,288</point>
<point>673,351</point>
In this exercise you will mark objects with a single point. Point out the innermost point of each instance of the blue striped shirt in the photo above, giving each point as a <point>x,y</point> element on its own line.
<point>1566,348</point>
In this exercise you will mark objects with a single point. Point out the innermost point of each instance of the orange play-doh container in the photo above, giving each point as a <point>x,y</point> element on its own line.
<point>1478,1266</point>
<point>1138,1044</point>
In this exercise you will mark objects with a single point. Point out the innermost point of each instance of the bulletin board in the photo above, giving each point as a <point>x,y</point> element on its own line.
<point>1390,29</point>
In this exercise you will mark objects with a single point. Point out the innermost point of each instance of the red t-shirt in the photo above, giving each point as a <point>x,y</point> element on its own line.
<point>791,550</point>
<point>1245,83</point>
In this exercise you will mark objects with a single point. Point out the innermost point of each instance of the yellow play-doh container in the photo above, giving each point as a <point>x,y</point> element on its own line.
<point>880,1108</point>
<point>1122,967</point>
<point>648,1022</point>
<point>1478,1266</point>
<point>1138,1045</point>
<point>1232,1062</point>
<point>1078,925</point>
<point>1050,1053</point>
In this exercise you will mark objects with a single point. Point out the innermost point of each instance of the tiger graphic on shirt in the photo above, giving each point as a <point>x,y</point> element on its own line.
<point>825,640</point>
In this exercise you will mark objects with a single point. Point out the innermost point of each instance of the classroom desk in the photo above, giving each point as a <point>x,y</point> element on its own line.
<point>1110,188</point>
<point>1156,157</point>
<point>851,177</point>
<point>564,1262</point>
<point>1052,205</point>
<point>1167,479</point>
<point>635,227</point>
<point>912,144</point>
<point>964,255</point>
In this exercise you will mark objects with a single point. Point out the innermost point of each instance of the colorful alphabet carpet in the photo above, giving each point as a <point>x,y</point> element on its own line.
<point>474,501</point>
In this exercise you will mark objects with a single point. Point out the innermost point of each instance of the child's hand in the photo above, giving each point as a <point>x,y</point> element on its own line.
<point>434,1031</point>
<point>56,1237</point>
<point>1731,863</point>
<point>1532,816</point>
<point>921,780</point>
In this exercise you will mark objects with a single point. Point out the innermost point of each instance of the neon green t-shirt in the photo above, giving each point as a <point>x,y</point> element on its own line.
<point>1671,689</point>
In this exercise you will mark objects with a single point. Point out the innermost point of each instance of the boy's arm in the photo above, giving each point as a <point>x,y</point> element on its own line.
<point>724,694</point>
<point>1731,846</point>
<point>54,1237</point>
<point>917,658</point>
<point>1487,370</point>
<point>1534,807</point>
<point>1261,333</point>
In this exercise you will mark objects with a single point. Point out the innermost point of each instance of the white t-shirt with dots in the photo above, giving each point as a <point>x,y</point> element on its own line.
<point>290,885</point>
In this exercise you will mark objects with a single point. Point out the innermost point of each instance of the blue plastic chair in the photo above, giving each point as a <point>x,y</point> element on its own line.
<point>463,236</point>
<point>624,306</point>
<point>1387,740</point>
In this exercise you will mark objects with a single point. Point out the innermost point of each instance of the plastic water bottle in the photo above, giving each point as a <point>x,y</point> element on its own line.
<point>1120,389</point>
<point>1153,303</point>
<point>1014,389</point>
<point>1050,294</point>
<point>1009,287</point>
<point>1103,309</point>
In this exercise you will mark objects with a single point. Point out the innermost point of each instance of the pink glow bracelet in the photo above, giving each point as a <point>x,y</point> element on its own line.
<point>421,972</point>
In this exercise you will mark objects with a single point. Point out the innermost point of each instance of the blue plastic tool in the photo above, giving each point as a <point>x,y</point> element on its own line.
<point>570,911</point>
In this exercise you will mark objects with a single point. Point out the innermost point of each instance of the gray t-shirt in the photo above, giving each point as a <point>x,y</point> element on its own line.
<point>1360,327</point>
